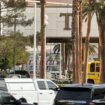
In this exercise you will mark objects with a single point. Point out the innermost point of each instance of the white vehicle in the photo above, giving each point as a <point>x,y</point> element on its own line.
<point>38,91</point>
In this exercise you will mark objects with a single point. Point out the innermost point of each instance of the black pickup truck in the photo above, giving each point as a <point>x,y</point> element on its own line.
<point>85,94</point>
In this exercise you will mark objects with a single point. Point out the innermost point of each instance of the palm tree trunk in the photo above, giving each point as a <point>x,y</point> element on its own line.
<point>77,45</point>
<point>69,67</point>
<point>76,41</point>
<point>100,50</point>
<point>101,27</point>
<point>87,47</point>
<point>63,57</point>
<point>42,63</point>
<point>80,41</point>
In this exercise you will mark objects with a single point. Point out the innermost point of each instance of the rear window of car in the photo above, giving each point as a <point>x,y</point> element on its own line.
<point>74,94</point>
<point>99,94</point>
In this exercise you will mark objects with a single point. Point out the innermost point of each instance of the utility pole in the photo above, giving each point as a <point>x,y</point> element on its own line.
<point>43,62</point>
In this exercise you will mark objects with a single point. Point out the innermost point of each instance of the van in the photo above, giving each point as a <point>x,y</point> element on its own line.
<point>37,91</point>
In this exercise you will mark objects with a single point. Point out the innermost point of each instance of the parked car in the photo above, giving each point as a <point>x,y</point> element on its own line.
<point>75,94</point>
<point>8,99</point>
<point>19,74</point>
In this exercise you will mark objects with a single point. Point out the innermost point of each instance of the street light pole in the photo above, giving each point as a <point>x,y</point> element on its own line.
<point>0,18</point>
<point>60,70</point>
<point>43,62</point>
<point>34,64</point>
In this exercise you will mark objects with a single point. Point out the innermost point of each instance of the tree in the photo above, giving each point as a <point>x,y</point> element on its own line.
<point>6,51</point>
<point>14,16</point>
<point>101,26</point>
<point>80,60</point>
<point>92,49</point>
<point>87,39</point>
<point>43,40</point>
<point>98,8</point>
<point>68,53</point>
<point>77,41</point>
<point>15,13</point>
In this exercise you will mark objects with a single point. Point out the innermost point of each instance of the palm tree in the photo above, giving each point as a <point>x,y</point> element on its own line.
<point>74,40</point>
<point>92,49</point>
<point>77,40</point>
<point>80,39</point>
<point>101,26</point>
<point>98,8</point>
<point>68,53</point>
<point>88,16</point>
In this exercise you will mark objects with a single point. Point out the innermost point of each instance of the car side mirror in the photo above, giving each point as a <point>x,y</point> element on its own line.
<point>55,89</point>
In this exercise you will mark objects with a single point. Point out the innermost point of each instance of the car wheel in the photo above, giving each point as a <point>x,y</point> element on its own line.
<point>35,103</point>
<point>23,100</point>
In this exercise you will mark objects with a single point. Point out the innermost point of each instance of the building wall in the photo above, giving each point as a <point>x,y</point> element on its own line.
<point>56,24</point>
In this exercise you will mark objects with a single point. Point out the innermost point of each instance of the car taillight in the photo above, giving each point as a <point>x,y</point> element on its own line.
<point>91,103</point>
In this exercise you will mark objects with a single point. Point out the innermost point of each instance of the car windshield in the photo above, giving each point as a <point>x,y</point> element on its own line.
<point>83,94</point>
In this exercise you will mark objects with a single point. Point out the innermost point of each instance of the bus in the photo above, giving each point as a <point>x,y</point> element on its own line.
<point>93,72</point>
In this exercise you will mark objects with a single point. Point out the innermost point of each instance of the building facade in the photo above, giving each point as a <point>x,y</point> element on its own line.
<point>59,20</point>
<point>59,14</point>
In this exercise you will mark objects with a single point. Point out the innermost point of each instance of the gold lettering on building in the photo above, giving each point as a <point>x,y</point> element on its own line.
<point>67,19</point>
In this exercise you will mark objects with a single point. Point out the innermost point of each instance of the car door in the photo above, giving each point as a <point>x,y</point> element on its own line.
<point>53,89</point>
<point>7,99</point>
<point>44,94</point>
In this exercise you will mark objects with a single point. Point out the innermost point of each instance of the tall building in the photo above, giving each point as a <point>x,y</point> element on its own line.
<point>59,14</point>
<point>59,20</point>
